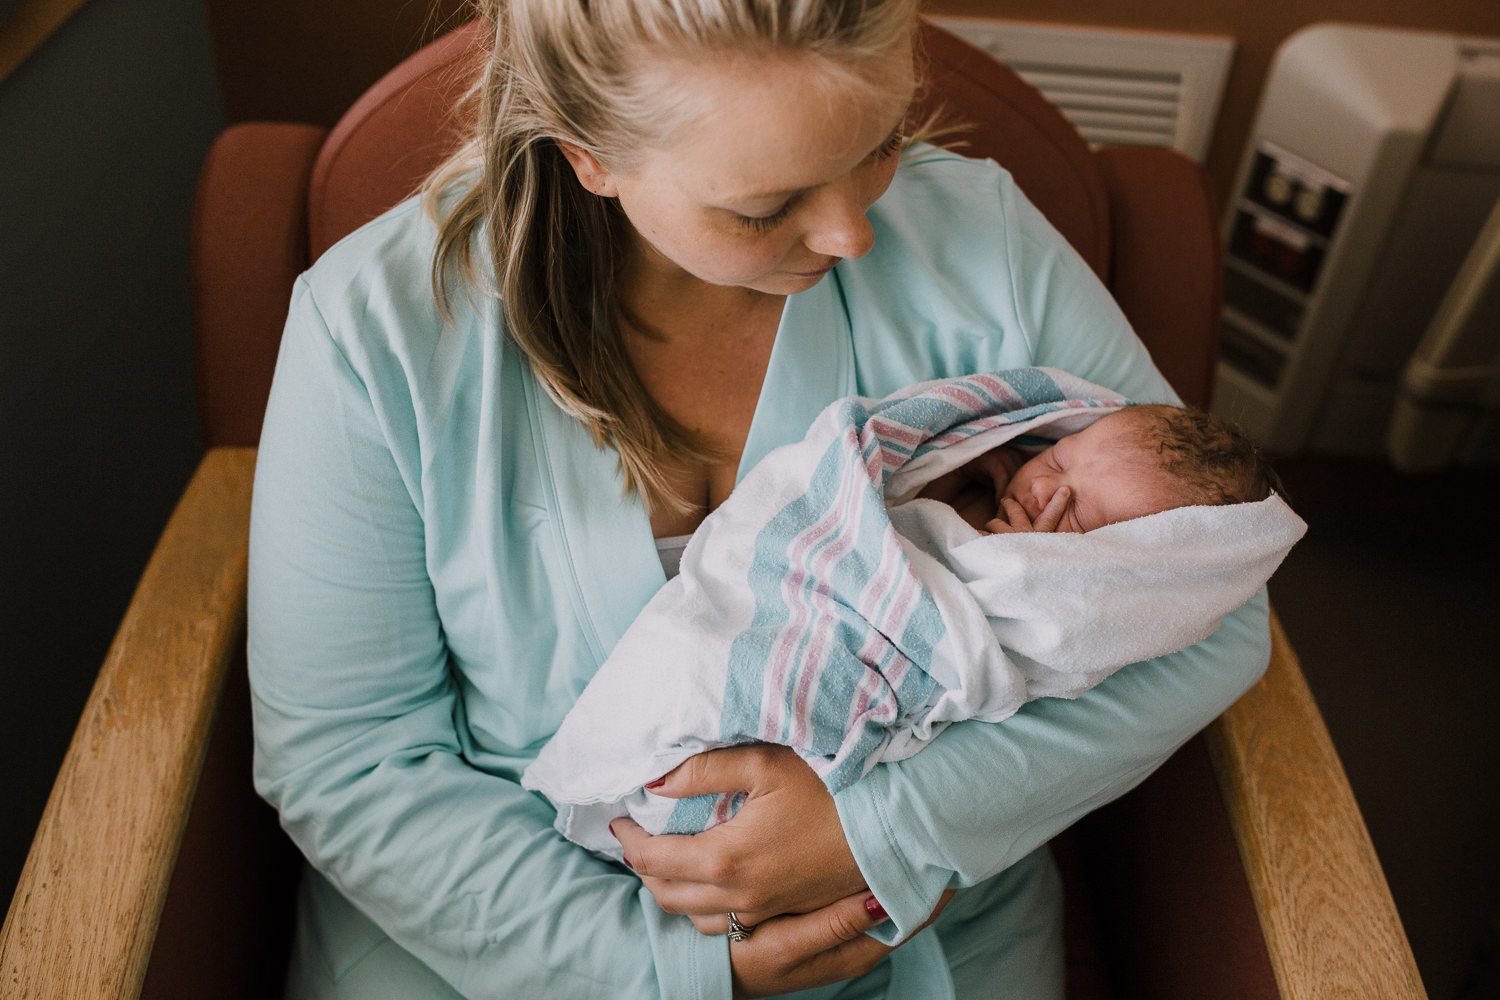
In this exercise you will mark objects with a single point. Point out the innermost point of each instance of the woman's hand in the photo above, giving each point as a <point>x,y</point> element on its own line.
<point>801,951</point>
<point>782,864</point>
<point>783,852</point>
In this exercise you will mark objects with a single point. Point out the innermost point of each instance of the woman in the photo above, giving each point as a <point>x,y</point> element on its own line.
<point>678,232</point>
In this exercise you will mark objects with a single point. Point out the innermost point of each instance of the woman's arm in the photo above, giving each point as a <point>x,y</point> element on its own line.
<point>358,722</point>
<point>984,795</point>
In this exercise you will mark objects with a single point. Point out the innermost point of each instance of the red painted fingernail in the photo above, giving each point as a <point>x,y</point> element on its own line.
<point>874,909</point>
<point>657,783</point>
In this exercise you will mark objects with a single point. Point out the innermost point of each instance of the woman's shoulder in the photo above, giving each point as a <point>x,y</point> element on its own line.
<point>366,314</point>
<point>390,255</point>
<point>944,218</point>
<point>945,210</point>
<point>374,289</point>
<point>953,216</point>
<point>932,178</point>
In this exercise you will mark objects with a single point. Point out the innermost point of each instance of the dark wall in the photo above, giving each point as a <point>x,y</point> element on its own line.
<point>101,134</point>
<point>290,60</point>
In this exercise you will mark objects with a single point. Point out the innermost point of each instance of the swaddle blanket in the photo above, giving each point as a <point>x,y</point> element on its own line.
<point>825,607</point>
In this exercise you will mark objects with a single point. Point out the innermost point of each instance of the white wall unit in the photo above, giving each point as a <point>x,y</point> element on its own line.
<point>1373,162</point>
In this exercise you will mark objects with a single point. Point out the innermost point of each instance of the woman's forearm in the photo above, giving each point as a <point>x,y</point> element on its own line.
<point>984,795</point>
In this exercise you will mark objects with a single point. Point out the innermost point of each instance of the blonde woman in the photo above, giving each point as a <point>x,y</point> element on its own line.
<point>677,232</point>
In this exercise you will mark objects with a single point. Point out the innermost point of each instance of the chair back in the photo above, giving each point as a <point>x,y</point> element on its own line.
<point>392,137</point>
<point>1143,219</point>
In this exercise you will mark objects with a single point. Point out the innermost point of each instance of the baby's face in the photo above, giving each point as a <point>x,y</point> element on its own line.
<point>1111,478</point>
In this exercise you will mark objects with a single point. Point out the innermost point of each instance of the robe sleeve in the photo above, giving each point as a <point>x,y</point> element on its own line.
<point>356,740</point>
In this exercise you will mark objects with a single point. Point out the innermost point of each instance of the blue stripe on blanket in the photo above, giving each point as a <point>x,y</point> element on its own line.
<point>833,657</point>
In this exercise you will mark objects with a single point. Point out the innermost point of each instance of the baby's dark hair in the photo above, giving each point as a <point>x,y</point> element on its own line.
<point>1213,459</point>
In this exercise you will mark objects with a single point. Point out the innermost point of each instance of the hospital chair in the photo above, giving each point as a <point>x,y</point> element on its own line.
<point>1241,869</point>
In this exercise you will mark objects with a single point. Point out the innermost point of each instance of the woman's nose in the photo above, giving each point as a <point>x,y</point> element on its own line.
<point>839,227</point>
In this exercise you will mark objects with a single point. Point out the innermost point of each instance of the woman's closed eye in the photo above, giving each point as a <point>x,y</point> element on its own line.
<point>892,145</point>
<point>765,223</point>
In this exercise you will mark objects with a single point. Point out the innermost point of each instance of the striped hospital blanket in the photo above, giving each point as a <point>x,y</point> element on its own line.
<point>824,607</point>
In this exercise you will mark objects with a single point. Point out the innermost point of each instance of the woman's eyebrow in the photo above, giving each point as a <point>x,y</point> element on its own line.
<point>794,192</point>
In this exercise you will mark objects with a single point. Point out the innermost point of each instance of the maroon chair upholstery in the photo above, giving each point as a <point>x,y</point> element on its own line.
<point>156,871</point>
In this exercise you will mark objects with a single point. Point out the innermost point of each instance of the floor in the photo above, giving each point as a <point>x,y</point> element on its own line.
<point>1393,606</point>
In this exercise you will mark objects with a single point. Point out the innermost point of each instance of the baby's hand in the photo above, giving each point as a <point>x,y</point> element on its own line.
<point>1013,517</point>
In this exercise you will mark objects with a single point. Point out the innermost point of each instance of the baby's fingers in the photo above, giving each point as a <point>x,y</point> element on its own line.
<point>1013,518</point>
<point>1051,516</point>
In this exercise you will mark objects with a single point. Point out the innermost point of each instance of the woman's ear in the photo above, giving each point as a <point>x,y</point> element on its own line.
<point>591,174</point>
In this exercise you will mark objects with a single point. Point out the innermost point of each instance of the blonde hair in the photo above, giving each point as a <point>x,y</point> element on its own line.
<point>514,222</point>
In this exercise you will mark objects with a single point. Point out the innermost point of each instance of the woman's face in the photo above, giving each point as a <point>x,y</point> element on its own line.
<point>767,186</point>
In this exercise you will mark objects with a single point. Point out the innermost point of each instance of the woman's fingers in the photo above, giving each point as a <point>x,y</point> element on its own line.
<point>798,952</point>
<point>662,856</point>
<point>748,864</point>
<point>672,868</point>
<point>825,946</point>
<point>729,769</point>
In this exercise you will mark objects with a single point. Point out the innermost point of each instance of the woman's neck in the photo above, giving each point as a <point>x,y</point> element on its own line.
<point>666,305</point>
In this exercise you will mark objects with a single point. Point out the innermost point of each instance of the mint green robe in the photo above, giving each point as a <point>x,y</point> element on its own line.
<point>440,559</point>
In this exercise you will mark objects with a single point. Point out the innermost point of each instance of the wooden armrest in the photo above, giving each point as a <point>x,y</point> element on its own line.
<point>1330,925</point>
<point>85,912</point>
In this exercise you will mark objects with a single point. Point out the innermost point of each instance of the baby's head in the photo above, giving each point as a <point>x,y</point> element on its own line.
<point>1211,461</point>
<point>1137,461</point>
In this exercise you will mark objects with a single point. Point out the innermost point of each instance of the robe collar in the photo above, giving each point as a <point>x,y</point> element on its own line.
<point>604,537</point>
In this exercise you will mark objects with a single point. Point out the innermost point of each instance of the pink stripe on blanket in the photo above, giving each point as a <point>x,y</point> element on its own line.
<point>802,568</point>
<point>886,602</point>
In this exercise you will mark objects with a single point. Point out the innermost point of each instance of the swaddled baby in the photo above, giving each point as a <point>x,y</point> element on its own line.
<point>949,552</point>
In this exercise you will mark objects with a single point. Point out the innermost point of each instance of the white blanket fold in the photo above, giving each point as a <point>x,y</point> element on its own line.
<point>824,608</point>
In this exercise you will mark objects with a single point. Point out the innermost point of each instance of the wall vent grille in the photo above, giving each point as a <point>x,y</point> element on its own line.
<point>1136,88</point>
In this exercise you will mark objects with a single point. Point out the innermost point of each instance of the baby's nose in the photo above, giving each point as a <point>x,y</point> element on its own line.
<point>1042,488</point>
